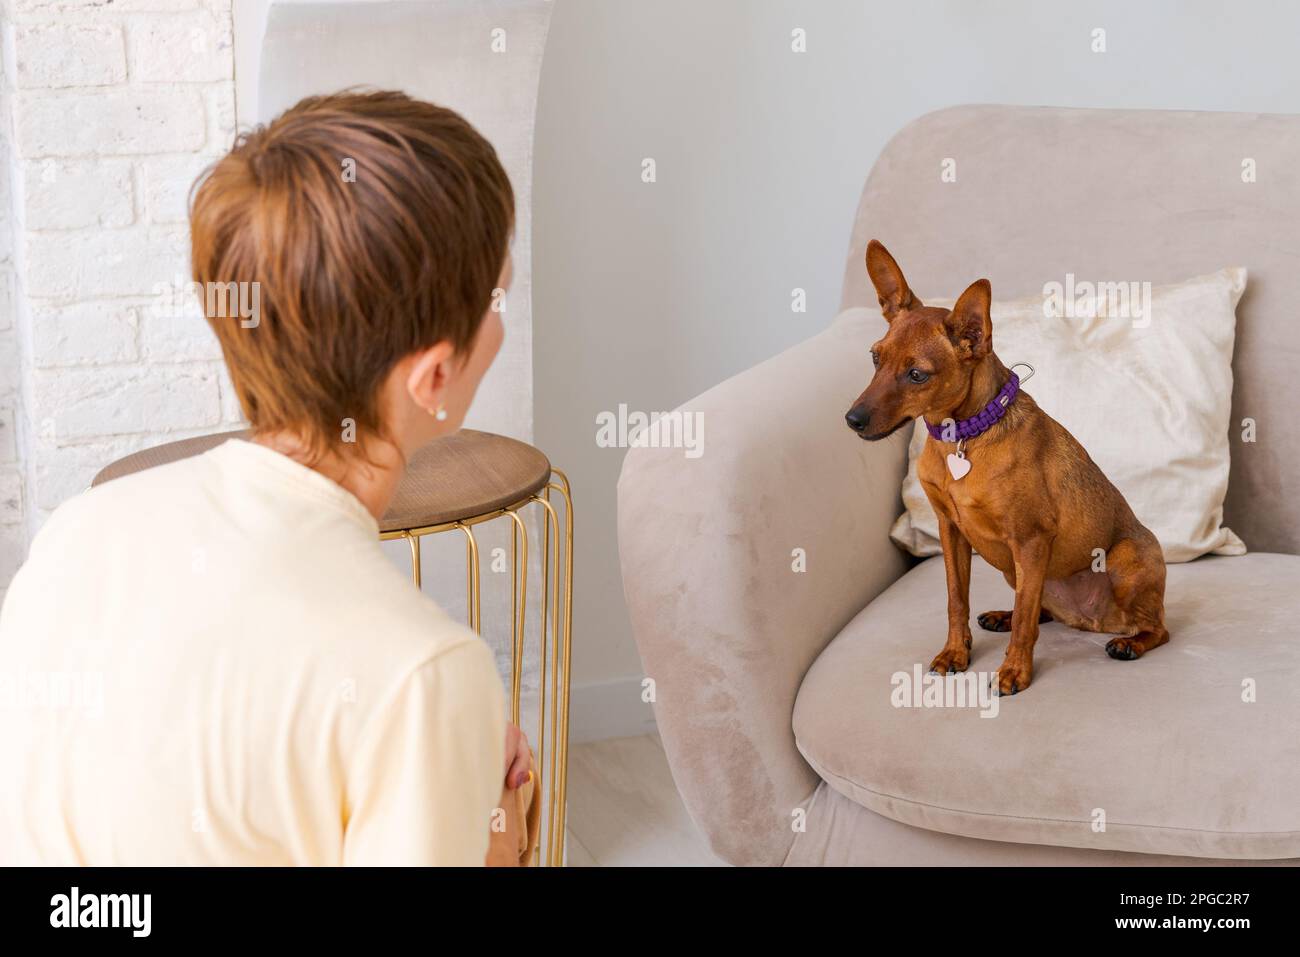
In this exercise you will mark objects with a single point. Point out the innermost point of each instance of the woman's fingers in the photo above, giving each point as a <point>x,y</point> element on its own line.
<point>518,757</point>
<point>517,773</point>
<point>513,734</point>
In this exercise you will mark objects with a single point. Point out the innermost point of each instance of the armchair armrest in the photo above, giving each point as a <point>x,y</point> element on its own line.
<point>724,623</point>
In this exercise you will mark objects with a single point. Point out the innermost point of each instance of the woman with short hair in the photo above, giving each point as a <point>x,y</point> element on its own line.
<point>273,690</point>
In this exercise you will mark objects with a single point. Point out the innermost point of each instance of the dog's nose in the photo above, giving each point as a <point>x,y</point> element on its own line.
<point>856,418</point>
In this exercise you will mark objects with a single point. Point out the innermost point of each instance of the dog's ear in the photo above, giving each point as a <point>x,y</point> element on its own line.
<point>891,286</point>
<point>969,325</point>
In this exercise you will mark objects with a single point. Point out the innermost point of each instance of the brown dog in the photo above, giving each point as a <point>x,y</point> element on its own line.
<point>1020,490</point>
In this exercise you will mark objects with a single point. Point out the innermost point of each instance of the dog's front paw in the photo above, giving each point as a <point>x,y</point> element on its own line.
<point>950,660</point>
<point>1013,677</point>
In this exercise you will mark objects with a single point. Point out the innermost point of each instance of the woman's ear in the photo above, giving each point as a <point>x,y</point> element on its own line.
<point>429,376</point>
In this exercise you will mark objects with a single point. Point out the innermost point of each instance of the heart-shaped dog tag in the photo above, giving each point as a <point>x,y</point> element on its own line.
<point>958,465</point>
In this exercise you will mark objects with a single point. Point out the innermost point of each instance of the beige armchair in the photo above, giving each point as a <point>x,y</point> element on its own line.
<point>773,683</point>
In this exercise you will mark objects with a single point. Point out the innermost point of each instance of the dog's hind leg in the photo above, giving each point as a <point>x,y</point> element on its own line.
<point>1001,620</point>
<point>1137,573</point>
<point>1135,646</point>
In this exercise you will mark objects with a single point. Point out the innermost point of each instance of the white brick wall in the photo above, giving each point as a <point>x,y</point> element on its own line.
<point>69,194</point>
<point>13,526</point>
<point>69,55</point>
<point>110,110</point>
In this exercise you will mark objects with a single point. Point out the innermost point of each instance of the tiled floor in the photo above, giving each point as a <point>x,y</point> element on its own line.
<point>624,810</point>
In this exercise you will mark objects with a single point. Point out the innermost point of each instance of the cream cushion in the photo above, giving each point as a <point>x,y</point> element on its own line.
<point>1168,747</point>
<point>1149,397</point>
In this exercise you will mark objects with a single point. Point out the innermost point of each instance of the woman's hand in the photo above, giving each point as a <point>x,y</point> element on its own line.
<point>518,757</point>
<point>513,845</point>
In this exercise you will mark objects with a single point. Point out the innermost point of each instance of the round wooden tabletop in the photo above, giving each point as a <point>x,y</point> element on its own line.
<point>463,475</point>
<point>454,478</point>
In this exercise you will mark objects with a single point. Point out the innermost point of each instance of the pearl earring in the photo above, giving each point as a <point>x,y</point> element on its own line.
<point>441,414</point>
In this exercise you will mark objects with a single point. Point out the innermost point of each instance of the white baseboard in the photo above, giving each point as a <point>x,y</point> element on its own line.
<point>608,709</point>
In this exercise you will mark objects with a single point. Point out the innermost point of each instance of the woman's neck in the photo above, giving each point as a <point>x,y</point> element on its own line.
<point>374,483</point>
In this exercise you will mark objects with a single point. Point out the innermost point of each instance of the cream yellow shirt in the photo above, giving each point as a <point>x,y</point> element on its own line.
<point>212,662</point>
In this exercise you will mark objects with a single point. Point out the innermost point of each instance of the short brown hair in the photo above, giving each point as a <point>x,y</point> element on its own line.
<point>375,225</point>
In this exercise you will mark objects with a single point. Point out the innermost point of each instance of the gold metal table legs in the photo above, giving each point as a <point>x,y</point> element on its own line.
<point>555,633</point>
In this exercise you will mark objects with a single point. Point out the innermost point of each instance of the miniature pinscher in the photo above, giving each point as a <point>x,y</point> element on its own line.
<point>1007,480</point>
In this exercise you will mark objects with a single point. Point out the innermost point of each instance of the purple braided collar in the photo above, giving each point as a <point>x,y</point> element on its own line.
<point>987,417</point>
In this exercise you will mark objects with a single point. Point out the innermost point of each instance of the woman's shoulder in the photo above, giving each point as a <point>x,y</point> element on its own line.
<point>115,509</point>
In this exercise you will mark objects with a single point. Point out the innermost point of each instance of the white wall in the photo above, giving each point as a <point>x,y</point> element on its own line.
<point>647,294</point>
<point>13,531</point>
<point>109,113</point>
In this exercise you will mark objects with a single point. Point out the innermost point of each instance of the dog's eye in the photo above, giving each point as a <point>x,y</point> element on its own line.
<point>875,359</point>
<point>916,375</point>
